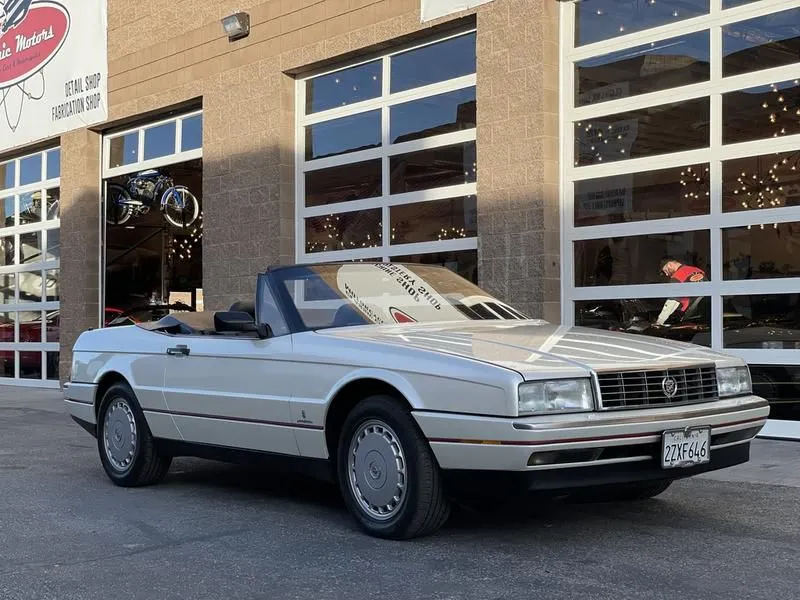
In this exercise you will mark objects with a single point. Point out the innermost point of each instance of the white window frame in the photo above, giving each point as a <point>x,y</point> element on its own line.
<point>714,155</point>
<point>386,200</point>
<point>45,226</point>
<point>142,165</point>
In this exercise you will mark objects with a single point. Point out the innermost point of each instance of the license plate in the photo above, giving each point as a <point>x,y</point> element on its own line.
<point>686,448</point>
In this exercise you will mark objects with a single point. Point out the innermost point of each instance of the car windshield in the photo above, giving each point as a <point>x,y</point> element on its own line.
<point>342,295</point>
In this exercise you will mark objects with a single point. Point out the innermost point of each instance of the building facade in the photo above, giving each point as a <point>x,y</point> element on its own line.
<point>564,155</point>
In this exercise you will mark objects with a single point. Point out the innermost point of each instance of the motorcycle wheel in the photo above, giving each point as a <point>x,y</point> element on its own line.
<point>177,216</point>
<point>118,212</point>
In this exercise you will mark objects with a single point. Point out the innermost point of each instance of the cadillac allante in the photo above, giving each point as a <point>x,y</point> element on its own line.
<point>410,388</point>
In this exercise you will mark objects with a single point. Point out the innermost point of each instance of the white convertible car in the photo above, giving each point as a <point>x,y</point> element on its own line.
<point>410,387</point>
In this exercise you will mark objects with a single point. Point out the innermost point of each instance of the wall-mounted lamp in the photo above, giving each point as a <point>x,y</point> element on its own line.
<point>236,26</point>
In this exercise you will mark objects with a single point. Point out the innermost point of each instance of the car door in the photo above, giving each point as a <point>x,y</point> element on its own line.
<point>231,391</point>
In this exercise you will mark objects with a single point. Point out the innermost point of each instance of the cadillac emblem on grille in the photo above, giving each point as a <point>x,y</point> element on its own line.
<point>670,386</point>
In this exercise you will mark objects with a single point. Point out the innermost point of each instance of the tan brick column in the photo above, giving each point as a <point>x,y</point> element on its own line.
<point>80,231</point>
<point>518,177</point>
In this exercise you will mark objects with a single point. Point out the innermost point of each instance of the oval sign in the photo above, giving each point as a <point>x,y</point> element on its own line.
<point>28,47</point>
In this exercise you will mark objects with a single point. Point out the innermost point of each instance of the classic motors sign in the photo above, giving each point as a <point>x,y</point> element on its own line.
<point>53,68</point>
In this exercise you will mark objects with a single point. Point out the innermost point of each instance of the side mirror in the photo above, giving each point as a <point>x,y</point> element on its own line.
<point>240,322</point>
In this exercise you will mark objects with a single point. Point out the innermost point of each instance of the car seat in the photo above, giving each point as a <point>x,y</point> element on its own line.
<point>347,316</point>
<point>245,306</point>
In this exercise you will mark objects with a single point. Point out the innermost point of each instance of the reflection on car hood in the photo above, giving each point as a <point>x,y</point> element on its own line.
<point>531,347</point>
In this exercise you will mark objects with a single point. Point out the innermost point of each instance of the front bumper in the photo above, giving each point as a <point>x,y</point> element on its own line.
<point>587,441</point>
<point>79,402</point>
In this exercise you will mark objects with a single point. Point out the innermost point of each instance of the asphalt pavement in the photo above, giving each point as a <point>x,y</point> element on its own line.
<point>224,532</point>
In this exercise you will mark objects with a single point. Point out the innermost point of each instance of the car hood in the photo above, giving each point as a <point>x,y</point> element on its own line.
<point>535,348</point>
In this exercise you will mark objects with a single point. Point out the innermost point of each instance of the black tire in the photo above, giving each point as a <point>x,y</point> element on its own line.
<point>147,465</point>
<point>630,492</point>
<point>423,507</point>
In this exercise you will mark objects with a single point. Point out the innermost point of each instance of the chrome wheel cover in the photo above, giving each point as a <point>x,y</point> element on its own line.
<point>119,435</point>
<point>377,472</point>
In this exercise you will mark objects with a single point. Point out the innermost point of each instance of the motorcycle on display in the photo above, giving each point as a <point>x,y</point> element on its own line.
<point>143,191</point>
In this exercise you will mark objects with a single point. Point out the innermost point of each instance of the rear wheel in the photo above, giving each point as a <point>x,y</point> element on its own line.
<point>127,449</point>
<point>388,475</point>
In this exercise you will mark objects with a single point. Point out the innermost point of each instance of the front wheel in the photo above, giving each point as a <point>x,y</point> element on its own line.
<point>388,475</point>
<point>181,207</point>
<point>127,449</point>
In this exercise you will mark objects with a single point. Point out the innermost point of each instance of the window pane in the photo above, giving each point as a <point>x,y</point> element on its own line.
<point>463,262</point>
<point>7,208</point>
<point>7,251</point>
<point>30,169</point>
<point>454,218</point>
<point>762,112</point>
<point>192,133</point>
<point>345,231</point>
<point>344,87</point>
<point>6,363</point>
<point>51,286</point>
<point>124,150</point>
<point>30,326</point>
<point>597,20</point>
<point>53,203</point>
<point>733,3</point>
<point>348,134</point>
<point>30,208</point>
<point>435,115</point>
<point>764,251</point>
<point>30,247</point>
<point>54,164</point>
<point>7,175</point>
<point>7,289</point>
<point>768,321</point>
<point>53,244</point>
<point>649,68</point>
<point>52,365</point>
<point>690,322</point>
<point>159,141</point>
<point>769,41</point>
<point>639,259</point>
<point>663,194</point>
<point>30,286</point>
<point>767,181</point>
<point>437,62</point>
<point>355,181</point>
<point>30,365</point>
<point>426,169</point>
<point>646,132</point>
<point>7,334</point>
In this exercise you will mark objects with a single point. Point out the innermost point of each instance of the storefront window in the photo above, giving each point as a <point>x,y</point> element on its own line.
<point>648,131</point>
<point>645,196</point>
<point>640,259</point>
<point>408,163</point>
<point>727,172</point>
<point>597,20</point>
<point>763,321</point>
<point>689,322</point>
<point>159,141</point>
<point>344,87</point>
<point>763,112</point>
<point>761,43</point>
<point>648,68</point>
<point>765,181</point>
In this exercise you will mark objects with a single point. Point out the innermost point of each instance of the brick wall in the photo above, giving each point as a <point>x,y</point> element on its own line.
<point>518,218</point>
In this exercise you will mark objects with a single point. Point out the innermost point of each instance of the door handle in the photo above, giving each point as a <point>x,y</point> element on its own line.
<point>178,351</point>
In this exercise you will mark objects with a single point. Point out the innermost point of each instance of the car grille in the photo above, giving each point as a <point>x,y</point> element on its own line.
<point>639,389</point>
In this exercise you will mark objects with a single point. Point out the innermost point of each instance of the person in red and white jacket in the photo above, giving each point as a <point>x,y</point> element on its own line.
<point>678,273</point>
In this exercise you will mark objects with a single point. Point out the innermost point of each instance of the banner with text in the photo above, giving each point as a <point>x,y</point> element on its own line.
<point>53,68</point>
<point>433,9</point>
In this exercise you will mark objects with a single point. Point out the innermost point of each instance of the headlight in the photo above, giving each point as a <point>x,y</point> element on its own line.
<point>734,381</point>
<point>561,395</point>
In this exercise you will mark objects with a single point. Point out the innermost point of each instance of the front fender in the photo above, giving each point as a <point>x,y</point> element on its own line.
<point>389,377</point>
